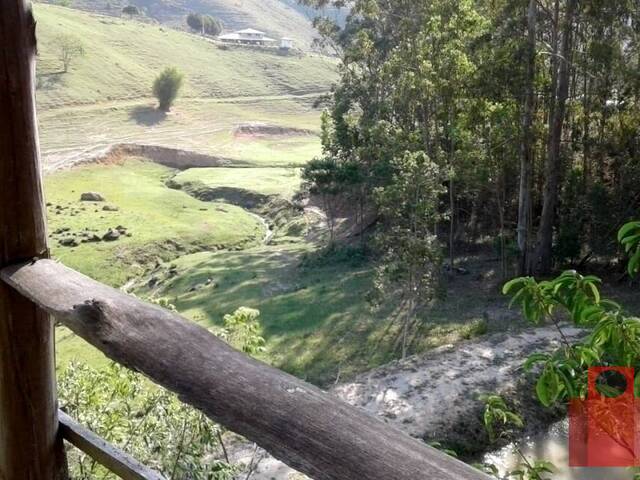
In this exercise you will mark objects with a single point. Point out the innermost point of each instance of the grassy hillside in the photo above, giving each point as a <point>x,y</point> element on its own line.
<point>277,17</point>
<point>284,182</point>
<point>122,57</point>
<point>204,125</point>
<point>105,97</point>
<point>161,223</point>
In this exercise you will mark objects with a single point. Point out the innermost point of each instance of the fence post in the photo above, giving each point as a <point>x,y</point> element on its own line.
<point>30,447</point>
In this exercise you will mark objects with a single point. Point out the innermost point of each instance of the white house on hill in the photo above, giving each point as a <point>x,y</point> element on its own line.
<point>248,36</point>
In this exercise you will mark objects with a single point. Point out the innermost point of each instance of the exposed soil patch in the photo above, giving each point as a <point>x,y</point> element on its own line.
<point>169,157</point>
<point>251,130</point>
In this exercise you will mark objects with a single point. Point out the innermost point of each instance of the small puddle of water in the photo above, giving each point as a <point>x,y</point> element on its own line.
<point>553,446</point>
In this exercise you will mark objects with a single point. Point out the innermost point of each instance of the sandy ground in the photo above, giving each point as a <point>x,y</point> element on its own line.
<point>435,396</point>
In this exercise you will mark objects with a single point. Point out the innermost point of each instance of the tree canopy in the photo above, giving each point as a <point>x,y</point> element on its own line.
<point>528,108</point>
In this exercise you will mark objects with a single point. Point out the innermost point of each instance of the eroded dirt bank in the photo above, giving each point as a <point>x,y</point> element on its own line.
<point>169,157</point>
<point>435,396</point>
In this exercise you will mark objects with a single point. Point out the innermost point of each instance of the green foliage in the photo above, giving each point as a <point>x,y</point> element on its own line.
<point>450,78</point>
<point>205,24</point>
<point>410,259</point>
<point>147,422</point>
<point>442,448</point>
<point>166,87</point>
<point>242,330</point>
<point>614,338</point>
<point>499,421</point>
<point>328,177</point>
<point>538,470</point>
<point>629,238</point>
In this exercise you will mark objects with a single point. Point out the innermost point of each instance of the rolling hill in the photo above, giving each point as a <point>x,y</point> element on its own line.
<point>122,57</point>
<point>105,97</point>
<point>278,18</point>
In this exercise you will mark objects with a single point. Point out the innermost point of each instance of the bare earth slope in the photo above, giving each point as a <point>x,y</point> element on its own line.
<point>435,396</point>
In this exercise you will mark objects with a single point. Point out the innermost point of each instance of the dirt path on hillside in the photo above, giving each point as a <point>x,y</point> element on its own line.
<point>435,396</point>
<point>132,102</point>
<point>138,121</point>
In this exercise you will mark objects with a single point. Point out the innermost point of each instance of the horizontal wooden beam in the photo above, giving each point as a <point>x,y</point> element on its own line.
<point>305,427</point>
<point>114,459</point>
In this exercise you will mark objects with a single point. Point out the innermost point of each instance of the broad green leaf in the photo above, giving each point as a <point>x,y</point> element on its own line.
<point>626,229</point>
<point>548,387</point>
<point>506,289</point>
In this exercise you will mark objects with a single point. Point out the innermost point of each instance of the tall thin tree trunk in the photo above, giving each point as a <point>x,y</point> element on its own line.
<point>526,154</point>
<point>452,206</point>
<point>543,254</point>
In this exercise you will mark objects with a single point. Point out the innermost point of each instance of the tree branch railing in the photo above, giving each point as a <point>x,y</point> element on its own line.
<point>303,426</point>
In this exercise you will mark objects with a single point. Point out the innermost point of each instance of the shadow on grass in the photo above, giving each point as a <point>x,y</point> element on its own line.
<point>49,81</point>
<point>146,115</point>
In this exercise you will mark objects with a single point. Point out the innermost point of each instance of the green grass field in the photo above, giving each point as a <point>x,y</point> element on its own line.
<point>163,223</point>
<point>207,259</point>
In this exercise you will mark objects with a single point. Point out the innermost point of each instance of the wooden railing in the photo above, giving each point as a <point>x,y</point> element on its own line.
<point>303,426</point>
<point>114,459</point>
<point>298,423</point>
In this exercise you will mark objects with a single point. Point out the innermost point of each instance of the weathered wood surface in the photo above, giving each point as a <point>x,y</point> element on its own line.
<point>299,424</point>
<point>103,452</point>
<point>29,444</point>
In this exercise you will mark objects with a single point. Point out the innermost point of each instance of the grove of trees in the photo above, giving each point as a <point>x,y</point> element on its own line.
<point>527,109</point>
<point>131,10</point>
<point>204,24</point>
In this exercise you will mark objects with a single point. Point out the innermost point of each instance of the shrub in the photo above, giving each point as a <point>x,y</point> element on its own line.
<point>242,330</point>
<point>166,87</point>
<point>148,422</point>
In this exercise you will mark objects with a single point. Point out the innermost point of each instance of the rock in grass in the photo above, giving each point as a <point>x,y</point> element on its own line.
<point>111,235</point>
<point>110,208</point>
<point>69,242</point>
<point>93,238</point>
<point>91,197</point>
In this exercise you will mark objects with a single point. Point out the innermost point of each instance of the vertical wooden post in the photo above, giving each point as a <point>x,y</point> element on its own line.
<point>30,448</point>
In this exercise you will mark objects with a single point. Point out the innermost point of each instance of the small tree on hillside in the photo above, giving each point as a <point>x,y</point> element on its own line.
<point>131,10</point>
<point>331,180</point>
<point>69,48</point>
<point>166,87</point>
<point>411,255</point>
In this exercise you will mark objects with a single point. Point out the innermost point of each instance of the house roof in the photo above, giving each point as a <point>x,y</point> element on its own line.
<point>239,36</point>
<point>250,31</point>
